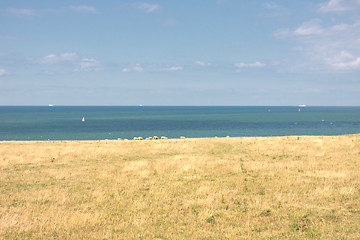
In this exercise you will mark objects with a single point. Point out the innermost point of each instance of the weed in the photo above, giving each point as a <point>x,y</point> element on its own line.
<point>211,219</point>
<point>195,209</point>
<point>265,213</point>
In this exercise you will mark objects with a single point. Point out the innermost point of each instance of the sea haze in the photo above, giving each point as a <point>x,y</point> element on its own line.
<point>102,122</point>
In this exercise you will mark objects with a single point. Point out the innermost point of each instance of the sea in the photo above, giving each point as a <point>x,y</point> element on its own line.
<point>112,122</point>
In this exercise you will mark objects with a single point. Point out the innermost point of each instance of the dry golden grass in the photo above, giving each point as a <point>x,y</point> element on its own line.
<point>210,188</point>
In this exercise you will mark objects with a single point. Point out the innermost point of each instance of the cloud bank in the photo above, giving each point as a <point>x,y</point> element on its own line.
<point>328,45</point>
<point>340,6</point>
<point>72,59</point>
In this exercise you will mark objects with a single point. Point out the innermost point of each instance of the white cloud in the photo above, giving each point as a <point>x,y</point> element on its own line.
<point>325,47</point>
<point>70,59</point>
<point>2,71</point>
<point>249,65</point>
<point>346,65</point>
<point>151,68</point>
<point>137,68</point>
<point>201,63</point>
<point>20,11</point>
<point>49,59</point>
<point>340,6</point>
<point>344,60</point>
<point>173,68</point>
<point>309,28</point>
<point>313,30</point>
<point>89,9</point>
<point>55,59</point>
<point>88,65</point>
<point>148,7</point>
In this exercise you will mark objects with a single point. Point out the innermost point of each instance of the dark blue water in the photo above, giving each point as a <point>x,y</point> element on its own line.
<point>64,123</point>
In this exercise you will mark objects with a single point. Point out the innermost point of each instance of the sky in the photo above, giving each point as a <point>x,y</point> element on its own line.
<point>188,52</point>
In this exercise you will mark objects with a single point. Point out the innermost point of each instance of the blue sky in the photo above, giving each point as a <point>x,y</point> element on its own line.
<point>189,52</point>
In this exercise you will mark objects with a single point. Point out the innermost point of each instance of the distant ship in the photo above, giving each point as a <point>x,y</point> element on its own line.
<point>302,105</point>
<point>83,119</point>
<point>50,105</point>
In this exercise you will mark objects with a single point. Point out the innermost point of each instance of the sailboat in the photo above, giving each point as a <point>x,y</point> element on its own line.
<point>83,119</point>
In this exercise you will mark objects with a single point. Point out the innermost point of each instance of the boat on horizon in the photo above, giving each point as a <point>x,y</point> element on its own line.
<point>83,119</point>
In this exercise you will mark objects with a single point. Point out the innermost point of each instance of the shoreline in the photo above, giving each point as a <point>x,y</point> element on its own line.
<point>180,138</point>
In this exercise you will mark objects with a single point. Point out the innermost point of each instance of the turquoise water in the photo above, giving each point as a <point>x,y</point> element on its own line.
<point>64,123</point>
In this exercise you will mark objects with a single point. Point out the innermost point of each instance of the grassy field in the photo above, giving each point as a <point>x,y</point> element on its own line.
<point>210,188</point>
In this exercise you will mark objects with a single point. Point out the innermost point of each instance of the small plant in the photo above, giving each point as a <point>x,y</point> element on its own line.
<point>195,209</point>
<point>237,202</point>
<point>211,219</point>
<point>256,229</point>
<point>261,191</point>
<point>265,213</point>
<point>222,198</point>
<point>243,170</point>
<point>301,225</point>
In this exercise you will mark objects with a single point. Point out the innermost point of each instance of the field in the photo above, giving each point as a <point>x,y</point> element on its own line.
<point>305,187</point>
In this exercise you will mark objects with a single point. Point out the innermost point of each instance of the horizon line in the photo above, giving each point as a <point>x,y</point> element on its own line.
<point>300,105</point>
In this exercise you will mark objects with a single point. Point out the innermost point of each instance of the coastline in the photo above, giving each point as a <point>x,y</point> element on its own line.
<point>180,138</point>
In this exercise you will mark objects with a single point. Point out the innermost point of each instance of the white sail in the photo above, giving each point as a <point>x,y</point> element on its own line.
<point>83,119</point>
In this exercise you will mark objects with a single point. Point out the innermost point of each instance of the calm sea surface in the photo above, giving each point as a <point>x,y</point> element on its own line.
<point>65,123</point>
